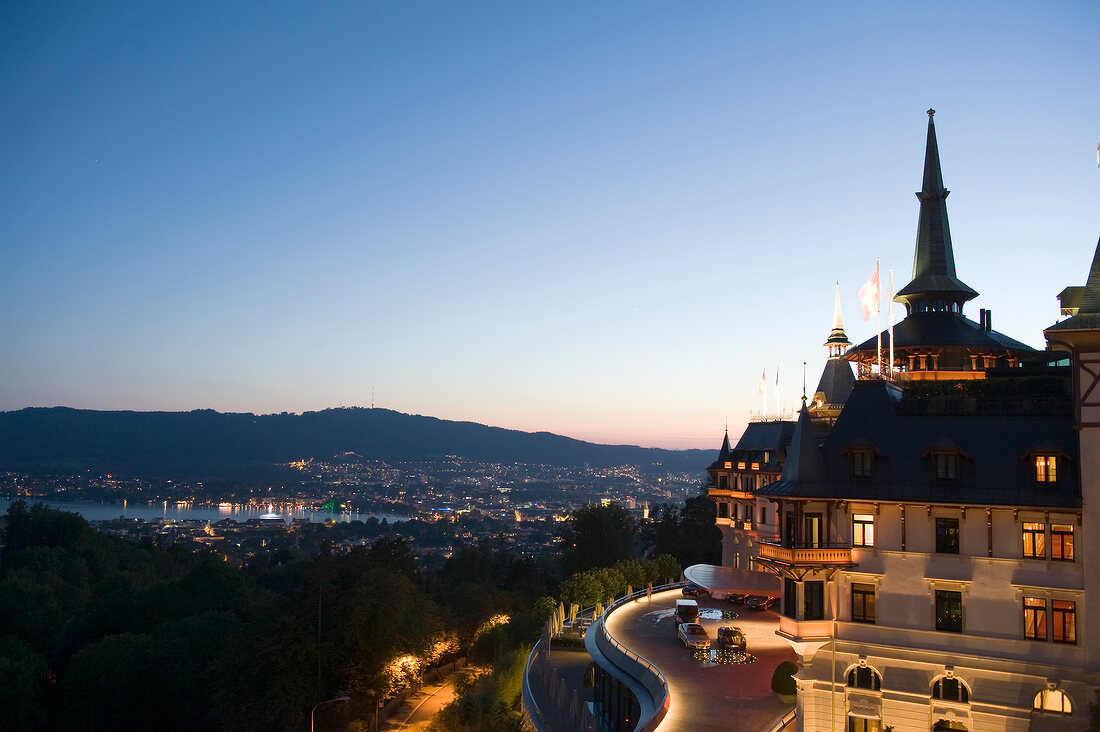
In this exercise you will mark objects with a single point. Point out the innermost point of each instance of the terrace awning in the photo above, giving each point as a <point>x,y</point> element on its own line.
<point>730,580</point>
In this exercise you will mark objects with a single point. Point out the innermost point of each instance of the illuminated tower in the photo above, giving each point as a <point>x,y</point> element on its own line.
<point>836,380</point>
<point>935,341</point>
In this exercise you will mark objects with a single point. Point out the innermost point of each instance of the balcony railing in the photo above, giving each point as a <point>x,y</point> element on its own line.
<point>806,553</point>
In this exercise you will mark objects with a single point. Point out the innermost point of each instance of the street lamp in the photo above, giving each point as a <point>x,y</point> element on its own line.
<point>326,701</point>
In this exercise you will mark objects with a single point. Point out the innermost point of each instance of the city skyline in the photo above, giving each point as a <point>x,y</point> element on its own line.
<point>582,220</point>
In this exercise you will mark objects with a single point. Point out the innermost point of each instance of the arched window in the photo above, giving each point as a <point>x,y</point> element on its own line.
<point>1053,700</point>
<point>950,689</point>
<point>863,677</point>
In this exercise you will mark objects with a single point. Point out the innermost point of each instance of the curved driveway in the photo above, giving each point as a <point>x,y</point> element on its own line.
<point>706,696</point>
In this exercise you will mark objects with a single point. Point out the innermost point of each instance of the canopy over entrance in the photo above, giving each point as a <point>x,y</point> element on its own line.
<point>728,579</point>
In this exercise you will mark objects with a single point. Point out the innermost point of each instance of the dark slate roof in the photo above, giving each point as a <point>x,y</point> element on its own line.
<point>941,329</point>
<point>836,381</point>
<point>766,435</point>
<point>994,468</point>
<point>1088,312</point>
<point>804,459</point>
<point>934,259</point>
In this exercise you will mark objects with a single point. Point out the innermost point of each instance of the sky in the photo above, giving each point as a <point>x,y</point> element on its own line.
<point>603,220</point>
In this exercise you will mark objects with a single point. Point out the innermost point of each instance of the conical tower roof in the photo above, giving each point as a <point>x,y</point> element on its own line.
<point>804,460</point>
<point>934,279</point>
<point>1088,314</point>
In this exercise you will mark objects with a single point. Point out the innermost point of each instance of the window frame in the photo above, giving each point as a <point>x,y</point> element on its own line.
<point>813,603</point>
<point>861,522</point>
<point>1037,532</point>
<point>864,677</point>
<point>1036,608</point>
<point>947,464</point>
<point>1059,545</point>
<point>863,463</point>
<point>962,692</point>
<point>943,612</point>
<point>1063,621</point>
<point>867,598</point>
<point>1046,468</point>
<point>951,527</point>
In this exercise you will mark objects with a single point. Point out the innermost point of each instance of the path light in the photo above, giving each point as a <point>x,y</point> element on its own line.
<point>327,701</point>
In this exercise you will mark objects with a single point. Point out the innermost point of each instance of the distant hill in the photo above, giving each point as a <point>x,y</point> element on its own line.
<point>209,444</point>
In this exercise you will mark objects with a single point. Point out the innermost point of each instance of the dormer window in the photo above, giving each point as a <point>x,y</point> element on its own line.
<point>947,465</point>
<point>1046,468</point>
<point>729,465</point>
<point>863,463</point>
<point>740,466</point>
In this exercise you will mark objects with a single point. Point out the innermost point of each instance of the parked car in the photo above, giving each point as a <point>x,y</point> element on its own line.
<point>693,635</point>
<point>692,590</point>
<point>736,598</point>
<point>730,638</point>
<point>760,602</point>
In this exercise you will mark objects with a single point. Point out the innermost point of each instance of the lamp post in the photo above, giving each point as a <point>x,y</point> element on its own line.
<point>326,701</point>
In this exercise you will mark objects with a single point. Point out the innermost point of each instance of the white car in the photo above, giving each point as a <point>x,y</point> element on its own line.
<point>693,635</point>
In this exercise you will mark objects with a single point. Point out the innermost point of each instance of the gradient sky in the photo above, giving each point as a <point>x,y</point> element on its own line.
<point>597,219</point>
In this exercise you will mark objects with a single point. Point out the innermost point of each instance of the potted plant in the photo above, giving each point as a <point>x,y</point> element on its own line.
<point>783,682</point>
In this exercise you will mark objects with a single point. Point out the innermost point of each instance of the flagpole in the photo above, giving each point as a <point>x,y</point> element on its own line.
<point>878,322</point>
<point>891,306</point>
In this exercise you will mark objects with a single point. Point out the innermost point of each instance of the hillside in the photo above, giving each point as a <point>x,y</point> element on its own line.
<point>221,445</point>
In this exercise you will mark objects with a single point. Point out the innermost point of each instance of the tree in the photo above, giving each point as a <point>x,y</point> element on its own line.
<point>597,536</point>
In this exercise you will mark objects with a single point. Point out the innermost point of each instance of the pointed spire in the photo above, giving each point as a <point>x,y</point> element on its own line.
<point>837,342</point>
<point>934,285</point>
<point>804,460</point>
<point>1090,298</point>
<point>1087,316</point>
<point>725,452</point>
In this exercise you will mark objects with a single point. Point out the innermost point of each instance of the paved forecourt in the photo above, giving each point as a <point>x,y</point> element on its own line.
<point>707,696</point>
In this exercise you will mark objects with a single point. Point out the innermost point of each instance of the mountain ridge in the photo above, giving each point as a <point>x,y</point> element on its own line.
<point>219,444</point>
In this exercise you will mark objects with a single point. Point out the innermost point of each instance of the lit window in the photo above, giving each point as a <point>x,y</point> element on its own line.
<point>950,689</point>
<point>740,466</point>
<point>862,463</point>
<point>862,724</point>
<point>863,677</point>
<point>863,603</point>
<point>1035,618</point>
<point>1046,468</point>
<point>947,535</point>
<point>863,529</point>
<point>947,465</point>
<point>1035,540</point>
<point>756,466</point>
<point>728,465</point>
<point>1061,542</point>
<point>949,611</point>
<point>1064,615</point>
<point>1053,700</point>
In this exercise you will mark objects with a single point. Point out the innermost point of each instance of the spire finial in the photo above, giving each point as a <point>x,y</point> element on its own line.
<point>931,113</point>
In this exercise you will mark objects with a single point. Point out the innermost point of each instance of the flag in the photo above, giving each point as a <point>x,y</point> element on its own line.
<point>763,382</point>
<point>869,295</point>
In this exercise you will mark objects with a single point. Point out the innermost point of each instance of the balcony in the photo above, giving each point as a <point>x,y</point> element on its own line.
<point>799,559</point>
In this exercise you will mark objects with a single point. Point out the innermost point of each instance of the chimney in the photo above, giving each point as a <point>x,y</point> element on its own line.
<point>981,318</point>
<point>989,320</point>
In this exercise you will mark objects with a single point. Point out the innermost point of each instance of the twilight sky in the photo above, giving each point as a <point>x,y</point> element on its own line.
<point>597,219</point>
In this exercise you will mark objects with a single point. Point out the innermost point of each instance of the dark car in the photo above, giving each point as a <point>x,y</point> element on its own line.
<point>730,638</point>
<point>760,602</point>
<point>692,590</point>
<point>736,598</point>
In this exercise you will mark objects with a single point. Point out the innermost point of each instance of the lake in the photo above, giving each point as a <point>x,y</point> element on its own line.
<point>106,510</point>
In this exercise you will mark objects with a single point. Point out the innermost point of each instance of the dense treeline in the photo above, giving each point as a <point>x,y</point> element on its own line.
<point>98,633</point>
